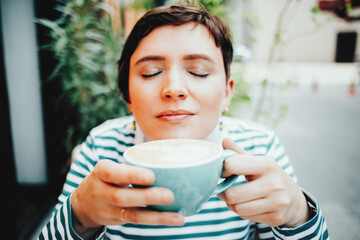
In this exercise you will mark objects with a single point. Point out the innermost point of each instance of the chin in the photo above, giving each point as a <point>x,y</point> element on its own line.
<point>179,135</point>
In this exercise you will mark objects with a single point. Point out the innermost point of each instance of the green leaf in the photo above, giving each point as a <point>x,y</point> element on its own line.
<point>315,9</point>
<point>94,35</point>
<point>284,108</point>
<point>47,23</point>
<point>99,89</point>
<point>349,7</point>
<point>104,6</point>
<point>264,82</point>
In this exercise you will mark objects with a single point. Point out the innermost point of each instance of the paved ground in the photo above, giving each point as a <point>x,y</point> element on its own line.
<point>322,136</point>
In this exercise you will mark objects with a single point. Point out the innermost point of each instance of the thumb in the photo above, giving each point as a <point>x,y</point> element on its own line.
<point>227,143</point>
<point>246,167</point>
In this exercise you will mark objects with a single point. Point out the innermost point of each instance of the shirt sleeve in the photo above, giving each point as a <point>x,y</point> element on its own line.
<point>316,227</point>
<point>60,224</point>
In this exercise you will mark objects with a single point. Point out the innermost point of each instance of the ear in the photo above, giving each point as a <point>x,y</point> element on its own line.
<point>229,90</point>
<point>130,107</point>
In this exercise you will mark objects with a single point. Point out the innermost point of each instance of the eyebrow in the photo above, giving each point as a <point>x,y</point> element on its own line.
<point>186,57</point>
<point>198,56</point>
<point>150,58</point>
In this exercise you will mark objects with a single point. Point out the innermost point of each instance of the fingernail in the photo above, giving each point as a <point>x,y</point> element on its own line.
<point>177,220</point>
<point>148,177</point>
<point>167,196</point>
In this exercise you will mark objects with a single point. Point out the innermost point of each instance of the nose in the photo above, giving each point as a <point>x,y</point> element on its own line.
<point>174,88</point>
<point>177,94</point>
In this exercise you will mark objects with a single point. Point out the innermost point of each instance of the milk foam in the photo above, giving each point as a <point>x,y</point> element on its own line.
<point>173,152</point>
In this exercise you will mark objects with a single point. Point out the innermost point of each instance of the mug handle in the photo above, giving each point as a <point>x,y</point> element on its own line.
<point>229,181</point>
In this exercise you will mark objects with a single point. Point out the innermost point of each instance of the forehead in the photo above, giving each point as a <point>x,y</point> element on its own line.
<point>169,40</point>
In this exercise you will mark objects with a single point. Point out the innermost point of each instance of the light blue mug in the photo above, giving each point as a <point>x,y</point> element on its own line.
<point>190,168</point>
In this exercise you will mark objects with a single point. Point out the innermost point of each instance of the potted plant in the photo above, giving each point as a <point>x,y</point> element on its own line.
<point>87,49</point>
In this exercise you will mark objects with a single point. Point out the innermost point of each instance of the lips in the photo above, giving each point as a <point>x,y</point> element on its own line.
<point>175,115</point>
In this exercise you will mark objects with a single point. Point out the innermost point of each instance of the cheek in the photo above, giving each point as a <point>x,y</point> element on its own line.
<point>140,93</point>
<point>211,97</point>
<point>141,102</point>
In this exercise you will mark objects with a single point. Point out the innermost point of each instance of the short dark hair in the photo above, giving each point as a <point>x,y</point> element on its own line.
<point>173,15</point>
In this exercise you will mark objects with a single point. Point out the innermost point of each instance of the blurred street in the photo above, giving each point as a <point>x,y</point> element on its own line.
<point>321,134</point>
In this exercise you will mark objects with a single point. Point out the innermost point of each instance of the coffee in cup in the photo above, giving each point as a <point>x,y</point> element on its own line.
<point>173,153</point>
<point>190,168</point>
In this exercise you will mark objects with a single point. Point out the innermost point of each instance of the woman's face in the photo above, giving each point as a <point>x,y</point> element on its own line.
<point>177,83</point>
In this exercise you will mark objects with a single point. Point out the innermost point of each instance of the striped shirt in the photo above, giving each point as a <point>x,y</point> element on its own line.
<point>214,221</point>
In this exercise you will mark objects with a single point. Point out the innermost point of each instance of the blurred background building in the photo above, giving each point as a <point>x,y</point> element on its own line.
<point>296,63</point>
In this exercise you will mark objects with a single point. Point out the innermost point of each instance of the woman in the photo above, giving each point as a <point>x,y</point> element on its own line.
<point>174,73</point>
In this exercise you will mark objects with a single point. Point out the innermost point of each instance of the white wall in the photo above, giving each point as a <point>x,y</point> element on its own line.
<point>318,47</point>
<point>24,90</point>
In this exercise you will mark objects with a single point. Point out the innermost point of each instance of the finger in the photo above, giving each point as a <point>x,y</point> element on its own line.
<point>118,174</point>
<point>133,197</point>
<point>245,192</point>
<point>149,217</point>
<point>230,144</point>
<point>271,219</point>
<point>252,208</point>
<point>248,165</point>
<point>257,212</point>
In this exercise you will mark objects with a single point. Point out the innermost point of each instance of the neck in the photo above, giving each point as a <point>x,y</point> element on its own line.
<point>214,136</point>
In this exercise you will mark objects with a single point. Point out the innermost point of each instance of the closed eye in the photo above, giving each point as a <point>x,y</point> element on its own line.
<point>150,75</point>
<point>199,75</point>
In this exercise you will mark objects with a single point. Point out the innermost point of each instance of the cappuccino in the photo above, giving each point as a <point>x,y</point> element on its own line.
<point>173,153</point>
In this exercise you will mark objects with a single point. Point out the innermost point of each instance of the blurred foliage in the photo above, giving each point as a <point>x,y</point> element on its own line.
<point>87,49</point>
<point>241,89</point>
<point>217,8</point>
<point>147,4</point>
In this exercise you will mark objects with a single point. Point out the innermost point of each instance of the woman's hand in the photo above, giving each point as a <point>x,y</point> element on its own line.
<point>103,198</point>
<point>270,196</point>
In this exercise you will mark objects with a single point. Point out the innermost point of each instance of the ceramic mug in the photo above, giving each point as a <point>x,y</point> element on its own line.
<point>190,168</point>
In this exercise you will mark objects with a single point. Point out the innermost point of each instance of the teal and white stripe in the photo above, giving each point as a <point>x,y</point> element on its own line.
<point>214,221</point>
